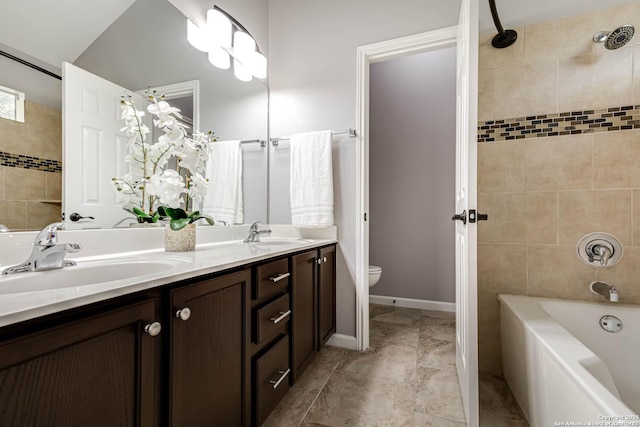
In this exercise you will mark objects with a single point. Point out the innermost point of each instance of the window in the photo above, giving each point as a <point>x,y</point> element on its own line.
<point>11,104</point>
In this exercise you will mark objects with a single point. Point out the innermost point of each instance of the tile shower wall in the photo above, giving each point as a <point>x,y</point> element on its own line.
<point>31,168</point>
<point>544,190</point>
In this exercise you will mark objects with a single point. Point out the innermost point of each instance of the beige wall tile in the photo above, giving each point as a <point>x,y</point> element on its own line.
<point>43,131</point>
<point>541,217</point>
<point>560,163</point>
<point>595,80</point>
<point>13,137</point>
<point>583,212</point>
<point>2,168</point>
<point>526,90</point>
<point>624,276</point>
<point>507,221</point>
<point>490,57</point>
<point>500,166</point>
<point>41,214</point>
<point>24,184</point>
<point>489,347</point>
<point>636,74</point>
<point>54,186</point>
<point>486,99</point>
<point>502,268</point>
<point>13,214</point>
<point>616,160</point>
<point>636,217</point>
<point>557,272</point>
<point>541,42</point>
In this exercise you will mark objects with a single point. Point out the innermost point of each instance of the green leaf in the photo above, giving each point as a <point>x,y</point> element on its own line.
<point>176,213</point>
<point>179,224</point>
<point>140,213</point>
<point>162,211</point>
<point>156,217</point>
<point>205,217</point>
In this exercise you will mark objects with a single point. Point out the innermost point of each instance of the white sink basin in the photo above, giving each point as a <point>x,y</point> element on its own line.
<point>87,273</point>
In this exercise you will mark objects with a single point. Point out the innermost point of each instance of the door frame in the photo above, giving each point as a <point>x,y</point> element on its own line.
<point>179,90</point>
<point>368,54</point>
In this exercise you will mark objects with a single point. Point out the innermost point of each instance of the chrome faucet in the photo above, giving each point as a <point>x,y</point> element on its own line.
<point>3,228</point>
<point>254,234</point>
<point>601,288</point>
<point>46,254</point>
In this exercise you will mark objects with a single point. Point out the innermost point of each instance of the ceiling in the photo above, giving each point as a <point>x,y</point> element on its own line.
<point>26,23</point>
<point>67,36</point>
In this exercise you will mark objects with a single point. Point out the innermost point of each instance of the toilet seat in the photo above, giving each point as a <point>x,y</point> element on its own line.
<point>374,269</point>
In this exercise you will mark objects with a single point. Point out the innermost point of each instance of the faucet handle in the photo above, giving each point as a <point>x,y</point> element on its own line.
<point>49,235</point>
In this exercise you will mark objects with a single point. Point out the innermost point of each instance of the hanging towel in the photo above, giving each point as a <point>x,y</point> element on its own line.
<point>311,179</point>
<point>224,172</point>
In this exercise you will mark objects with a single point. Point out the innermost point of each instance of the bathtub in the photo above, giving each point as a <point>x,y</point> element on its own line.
<point>564,368</point>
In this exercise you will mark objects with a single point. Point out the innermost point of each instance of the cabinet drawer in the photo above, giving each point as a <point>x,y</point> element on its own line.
<point>272,378</point>
<point>271,318</point>
<point>271,279</point>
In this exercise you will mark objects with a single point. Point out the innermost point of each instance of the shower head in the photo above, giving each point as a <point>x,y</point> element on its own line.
<point>615,39</point>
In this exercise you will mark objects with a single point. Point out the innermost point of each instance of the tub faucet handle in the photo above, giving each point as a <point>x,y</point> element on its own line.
<point>604,252</point>
<point>613,294</point>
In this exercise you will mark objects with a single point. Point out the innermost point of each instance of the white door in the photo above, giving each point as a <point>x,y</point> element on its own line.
<point>93,147</point>
<point>466,199</point>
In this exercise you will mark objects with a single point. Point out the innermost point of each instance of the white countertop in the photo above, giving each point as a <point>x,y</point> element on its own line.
<point>215,252</point>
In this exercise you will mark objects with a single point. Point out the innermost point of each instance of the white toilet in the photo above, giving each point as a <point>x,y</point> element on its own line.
<point>374,274</point>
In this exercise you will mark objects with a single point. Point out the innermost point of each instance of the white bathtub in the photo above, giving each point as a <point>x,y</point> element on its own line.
<point>564,369</point>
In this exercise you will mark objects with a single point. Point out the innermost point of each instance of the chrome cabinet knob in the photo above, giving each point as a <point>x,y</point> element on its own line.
<point>153,329</point>
<point>184,313</point>
<point>324,259</point>
<point>319,261</point>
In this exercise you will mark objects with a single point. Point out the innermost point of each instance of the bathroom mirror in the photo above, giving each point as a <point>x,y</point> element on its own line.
<point>144,45</point>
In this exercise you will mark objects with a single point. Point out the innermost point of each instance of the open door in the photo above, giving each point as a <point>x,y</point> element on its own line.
<point>94,147</point>
<point>466,199</point>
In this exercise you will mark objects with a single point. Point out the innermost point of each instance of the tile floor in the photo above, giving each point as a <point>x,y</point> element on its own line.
<point>407,378</point>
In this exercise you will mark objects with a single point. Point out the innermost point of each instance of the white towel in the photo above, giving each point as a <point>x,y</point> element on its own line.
<point>224,172</point>
<point>311,179</point>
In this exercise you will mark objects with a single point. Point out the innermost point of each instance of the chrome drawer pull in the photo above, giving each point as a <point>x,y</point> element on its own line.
<point>283,314</point>
<point>284,375</point>
<point>279,277</point>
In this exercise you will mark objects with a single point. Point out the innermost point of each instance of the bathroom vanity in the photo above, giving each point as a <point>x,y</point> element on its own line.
<point>215,344</point>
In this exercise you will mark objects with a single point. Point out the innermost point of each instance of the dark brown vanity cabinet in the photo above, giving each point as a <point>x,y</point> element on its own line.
<point>272,313</point>
<point>313,304</point>
<point>216,350</point>
<point>97,371</point>
<point>326,294</point>
<point>209,379</point>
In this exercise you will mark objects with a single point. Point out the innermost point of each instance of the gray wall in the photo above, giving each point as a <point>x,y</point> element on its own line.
<point>412,175</point>
<point>312,57</point>
<point>37,87</point>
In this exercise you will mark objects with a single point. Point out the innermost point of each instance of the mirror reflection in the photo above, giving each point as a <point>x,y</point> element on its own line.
<point>132,52</point>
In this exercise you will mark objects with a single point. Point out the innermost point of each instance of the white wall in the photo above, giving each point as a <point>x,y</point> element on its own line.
<point>312,66</point>
<point>412,148</point>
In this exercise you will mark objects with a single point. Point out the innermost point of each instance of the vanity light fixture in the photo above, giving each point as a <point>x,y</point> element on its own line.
<point>224,37</point>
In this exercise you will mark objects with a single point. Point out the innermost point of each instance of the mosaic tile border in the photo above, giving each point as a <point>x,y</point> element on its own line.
<point>29,162</point>
<point>569,123</point>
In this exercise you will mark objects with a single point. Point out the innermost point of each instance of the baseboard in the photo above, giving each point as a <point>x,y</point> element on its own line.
<point>343,341</point>
<point>413,303</point>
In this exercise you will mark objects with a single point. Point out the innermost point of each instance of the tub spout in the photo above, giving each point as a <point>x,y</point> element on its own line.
<point>601,288</point>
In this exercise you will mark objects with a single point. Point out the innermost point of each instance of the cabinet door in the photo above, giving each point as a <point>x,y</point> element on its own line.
<point>304,312</point>
<point>326,294</point>
<point>98,371</point>
<point>209,374</point>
